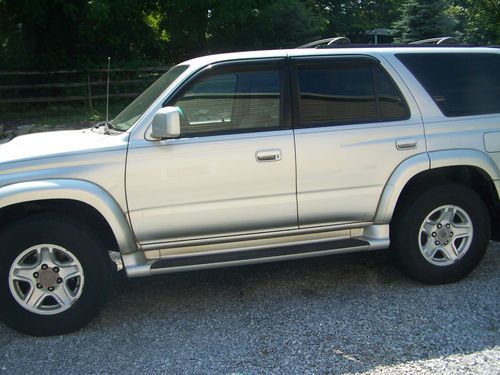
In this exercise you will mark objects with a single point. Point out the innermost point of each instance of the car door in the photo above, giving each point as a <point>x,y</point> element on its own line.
<point>353,127</point>
<point>231,171</point>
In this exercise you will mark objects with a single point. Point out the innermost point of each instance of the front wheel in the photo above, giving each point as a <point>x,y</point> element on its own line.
<point>54,275</point>
<point>440,235</point>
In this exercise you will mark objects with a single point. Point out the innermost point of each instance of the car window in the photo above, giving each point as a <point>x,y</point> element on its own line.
<point>126,118</point>
<point>461,84</point>
<point>392,105</point>
<point>231,102</point>
<point>338,94</point>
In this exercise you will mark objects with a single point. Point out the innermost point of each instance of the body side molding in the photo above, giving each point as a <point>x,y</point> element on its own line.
<point>77,190</point>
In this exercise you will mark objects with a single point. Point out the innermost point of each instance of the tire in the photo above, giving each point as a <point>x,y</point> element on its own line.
<point>54,275</point>
<point>440,235</point>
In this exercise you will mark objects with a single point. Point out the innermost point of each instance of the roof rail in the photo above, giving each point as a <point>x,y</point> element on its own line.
<point>442,40</point>
<point>339,40</point>
<point>343,42</point>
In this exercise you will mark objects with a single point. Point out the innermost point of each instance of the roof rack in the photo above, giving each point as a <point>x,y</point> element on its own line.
<point>343,42</point>
<point>442,40</point>
<point>339,40</point>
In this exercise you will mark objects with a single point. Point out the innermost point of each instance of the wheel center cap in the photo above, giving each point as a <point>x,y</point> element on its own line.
<point>47,278</point>
<point>443,234</point>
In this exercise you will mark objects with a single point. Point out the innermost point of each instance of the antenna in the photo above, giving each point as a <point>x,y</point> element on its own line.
<point>107,93</point>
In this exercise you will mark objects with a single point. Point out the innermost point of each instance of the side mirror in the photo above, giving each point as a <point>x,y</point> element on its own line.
<point>166,123</point>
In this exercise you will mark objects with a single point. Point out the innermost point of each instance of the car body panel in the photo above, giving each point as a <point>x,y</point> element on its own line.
<point>183,197</point>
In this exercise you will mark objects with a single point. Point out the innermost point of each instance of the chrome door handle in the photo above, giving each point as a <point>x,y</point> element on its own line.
<point>406,144</point>
<point>268,155</point>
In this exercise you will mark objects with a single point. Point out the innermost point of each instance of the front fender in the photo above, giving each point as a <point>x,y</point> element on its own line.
<point>77,190</point>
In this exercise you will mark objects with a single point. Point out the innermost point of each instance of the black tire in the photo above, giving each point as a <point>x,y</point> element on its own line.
<point>407,238</point>
<point>95,278</point>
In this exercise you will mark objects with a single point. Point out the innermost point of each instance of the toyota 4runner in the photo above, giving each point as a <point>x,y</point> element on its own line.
<point>254,157</point>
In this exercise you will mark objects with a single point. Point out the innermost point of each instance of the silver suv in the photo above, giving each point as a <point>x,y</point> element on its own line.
<point>256,157</point>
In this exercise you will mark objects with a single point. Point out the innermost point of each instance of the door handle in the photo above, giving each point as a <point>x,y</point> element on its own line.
<point>406,144</point>
<point>268,155</point>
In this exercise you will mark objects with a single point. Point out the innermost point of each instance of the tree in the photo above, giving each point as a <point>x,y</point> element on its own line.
<point>185,25</point>
<point>353,18</point>
<point>201,26</point>
<point>482,21</point>
<point>423,19</point>
<point>255,24</point>
<point>47,34</point>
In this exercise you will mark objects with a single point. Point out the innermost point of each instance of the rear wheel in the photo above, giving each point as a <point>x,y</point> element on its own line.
<point>54,275</point>
<point>440,235</point>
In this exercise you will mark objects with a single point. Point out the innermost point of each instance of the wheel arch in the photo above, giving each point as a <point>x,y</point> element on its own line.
<point>469,167</point>
<point>80,199</point>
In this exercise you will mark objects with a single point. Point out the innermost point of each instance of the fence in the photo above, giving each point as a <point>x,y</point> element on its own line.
<point>74,85</point>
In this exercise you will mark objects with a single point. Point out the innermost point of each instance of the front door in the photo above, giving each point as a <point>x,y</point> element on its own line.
<point>231,171</point>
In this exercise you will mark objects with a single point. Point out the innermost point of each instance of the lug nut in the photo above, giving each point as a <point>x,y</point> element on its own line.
<point>59,280</point>
<point>451,234</point>
<point>437,243</point>
<point>51,288</point>
<point>447,225</point>
<point>35,275</point>
<point>439,226</point>
<point>433,234</point>
<point>446,242</point>
<point>39,286</point>
<point>44,266</point>
<point>55,269</point>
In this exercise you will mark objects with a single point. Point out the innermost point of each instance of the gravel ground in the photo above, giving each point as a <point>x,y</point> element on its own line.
<point>354,313</point>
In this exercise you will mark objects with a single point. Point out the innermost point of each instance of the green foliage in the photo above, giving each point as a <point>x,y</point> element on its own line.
<point>482,21</point>
<point>352,18</point>
<point>53,34</point>
<point>423,19</point>
<point>43,34</point>
<point>254,24</point>
<point>201,26</point>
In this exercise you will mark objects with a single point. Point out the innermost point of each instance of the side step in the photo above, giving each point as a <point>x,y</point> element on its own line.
<point>232,258</point>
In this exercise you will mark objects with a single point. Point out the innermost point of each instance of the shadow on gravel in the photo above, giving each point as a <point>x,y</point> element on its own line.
<point>345,313</point>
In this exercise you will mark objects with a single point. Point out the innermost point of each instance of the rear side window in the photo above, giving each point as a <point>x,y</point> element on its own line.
<point>333,94</point>
<point>461,84</point>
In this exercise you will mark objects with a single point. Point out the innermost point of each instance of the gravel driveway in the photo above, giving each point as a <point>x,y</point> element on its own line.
<point>351,313</point>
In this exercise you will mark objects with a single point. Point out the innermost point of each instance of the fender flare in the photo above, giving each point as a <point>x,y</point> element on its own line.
<point>427,161</point>
<point>403,173</point>
<point>473,158</point>
<point>76,190</point>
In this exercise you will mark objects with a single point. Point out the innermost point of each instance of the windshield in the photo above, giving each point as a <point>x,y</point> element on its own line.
<point>126,118</point>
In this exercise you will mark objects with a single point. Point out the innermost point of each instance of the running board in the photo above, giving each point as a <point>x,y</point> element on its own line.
<point>234,258</point>
<point>253,251</point>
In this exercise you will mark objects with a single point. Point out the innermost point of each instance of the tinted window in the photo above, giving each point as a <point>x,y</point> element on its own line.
<point>392,106</point>
<point>460,84</point>
<point>332,94</point>
<point>231,102</point>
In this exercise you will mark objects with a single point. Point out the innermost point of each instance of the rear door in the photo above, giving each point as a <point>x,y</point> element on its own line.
<point>353,127</point>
